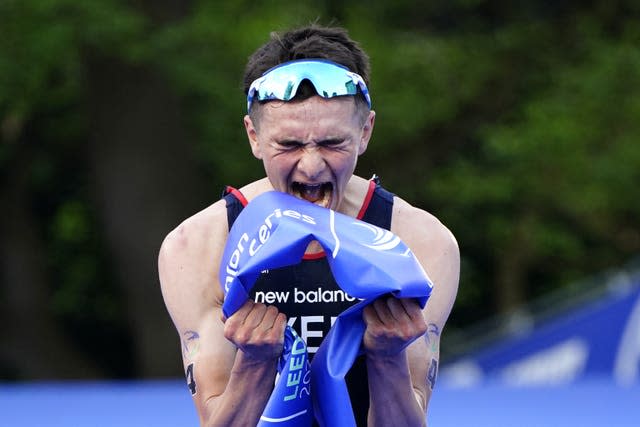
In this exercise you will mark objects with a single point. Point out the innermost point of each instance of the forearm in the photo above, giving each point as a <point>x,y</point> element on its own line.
<point>392,401</point>
<point>245,396</point>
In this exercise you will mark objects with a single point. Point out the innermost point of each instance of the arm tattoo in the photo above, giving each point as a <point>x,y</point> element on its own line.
<point>433,373</point>
<point>190,344</point>
<point>432,329</point>
<point>191,381</point>
<point>190,347</point>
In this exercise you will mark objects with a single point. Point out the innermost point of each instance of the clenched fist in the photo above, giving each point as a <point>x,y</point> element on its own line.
<point>391,325</point>
<point>257,330</point>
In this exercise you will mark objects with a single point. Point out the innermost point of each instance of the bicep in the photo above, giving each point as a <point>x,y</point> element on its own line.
<point>193,297</point>
<point>207,358</point>
<point>437,251</point>
<point>206,354</point>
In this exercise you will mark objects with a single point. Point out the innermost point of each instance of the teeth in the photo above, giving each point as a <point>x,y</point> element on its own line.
<point>314,193</point>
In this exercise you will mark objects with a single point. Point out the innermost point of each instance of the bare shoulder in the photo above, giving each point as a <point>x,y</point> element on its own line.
<point>188,261</point>
<point>436,248</point>
<point>422,230</point>
<point>199,228</point>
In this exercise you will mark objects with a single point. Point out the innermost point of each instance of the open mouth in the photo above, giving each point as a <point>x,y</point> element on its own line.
<point>320,194</point>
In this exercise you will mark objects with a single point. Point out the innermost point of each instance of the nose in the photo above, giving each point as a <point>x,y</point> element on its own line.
<point>311,163</point>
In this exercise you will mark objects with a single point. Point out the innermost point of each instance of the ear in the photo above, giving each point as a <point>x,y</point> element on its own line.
<point>367,131</point>
<point>252,135</point>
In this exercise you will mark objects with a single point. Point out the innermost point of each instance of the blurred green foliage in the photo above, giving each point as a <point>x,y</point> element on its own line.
<point>516,123</point>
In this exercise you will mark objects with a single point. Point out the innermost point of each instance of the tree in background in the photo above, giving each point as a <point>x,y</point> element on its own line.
<point>515,123</point>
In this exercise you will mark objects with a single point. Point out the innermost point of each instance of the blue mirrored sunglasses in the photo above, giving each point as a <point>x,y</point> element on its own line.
<point>328,78</point>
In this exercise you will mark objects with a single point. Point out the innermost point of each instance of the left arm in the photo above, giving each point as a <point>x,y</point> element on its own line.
<point>402,342</point>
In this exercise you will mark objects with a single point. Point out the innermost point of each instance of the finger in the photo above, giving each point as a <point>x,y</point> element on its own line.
<point>255,316</point>
<point>370,315</point>
<point>384,310</point>
<point>280,323</point>
<point>269,318</point>
<point>413,315</point>
<point>412,308</point>
<point>278,327</point>
<point>271,329</point>
<point>240,314</point>
<point>397,309</point>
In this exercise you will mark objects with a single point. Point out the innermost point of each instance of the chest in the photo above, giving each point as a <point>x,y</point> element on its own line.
<point>307,294</point>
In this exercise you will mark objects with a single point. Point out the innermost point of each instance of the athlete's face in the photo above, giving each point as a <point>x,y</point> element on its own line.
<point>310,148</point>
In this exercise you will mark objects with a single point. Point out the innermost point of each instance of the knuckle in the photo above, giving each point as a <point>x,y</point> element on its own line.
<point>280,323</point>
<point>272,310</point>
<point>407,331</point>
<point>230,330</point>
<point>422,328</point>
<point>259,308</point>
<point>380,332</point>
<point>242,336</point>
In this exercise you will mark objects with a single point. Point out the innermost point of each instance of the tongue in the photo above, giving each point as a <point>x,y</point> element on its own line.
<point>312,193</point>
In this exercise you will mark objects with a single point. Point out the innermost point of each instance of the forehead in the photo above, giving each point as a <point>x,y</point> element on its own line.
<point>337,110</point>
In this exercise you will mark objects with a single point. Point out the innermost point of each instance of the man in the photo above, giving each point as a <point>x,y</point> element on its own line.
<point>309,120</point>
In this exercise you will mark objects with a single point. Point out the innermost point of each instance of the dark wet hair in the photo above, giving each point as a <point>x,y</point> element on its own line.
<point>314,41</point>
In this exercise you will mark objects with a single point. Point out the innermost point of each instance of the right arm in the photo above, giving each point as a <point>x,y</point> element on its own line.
<point>230,364</point>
